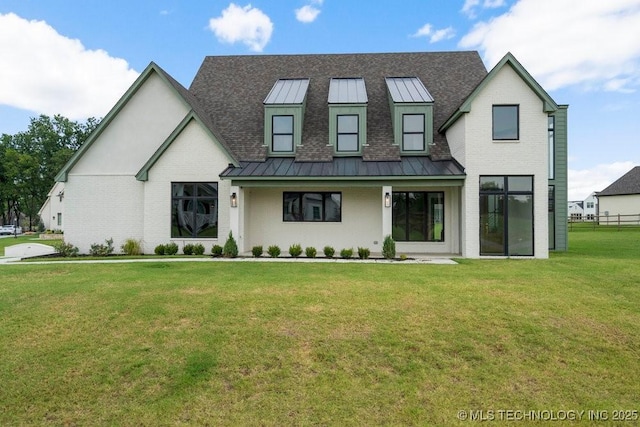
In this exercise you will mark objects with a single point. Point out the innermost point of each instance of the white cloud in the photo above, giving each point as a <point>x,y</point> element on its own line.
<point>434,35</point>
<point>594,44</point>
<point>48,73</point>
<point>585,181</point>
<point>469,7</point>
<point>247,25</point>
<point>307,14</point>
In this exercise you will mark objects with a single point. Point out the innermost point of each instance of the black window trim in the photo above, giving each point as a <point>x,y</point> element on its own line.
<point>274,133</point>
<point>407,215</point>
<point>423,133</point>
<point>356,133</point>
<point>300,198</point>
<point>194,198</point>
<point>493,122</point>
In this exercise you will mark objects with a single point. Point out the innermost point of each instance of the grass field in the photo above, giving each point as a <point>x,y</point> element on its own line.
<point>321,344</point>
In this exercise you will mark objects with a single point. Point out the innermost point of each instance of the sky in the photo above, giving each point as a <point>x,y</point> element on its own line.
<point>77,57</point>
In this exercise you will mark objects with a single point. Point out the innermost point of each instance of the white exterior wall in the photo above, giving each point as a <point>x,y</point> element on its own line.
<point>52,208</point>
<point>192,157</point>
<point>360,226</point>
<point>136,132</point>
<point>483,156</point>
<point>103,199</point>
<point>620,205</point>
<point>102,207</point>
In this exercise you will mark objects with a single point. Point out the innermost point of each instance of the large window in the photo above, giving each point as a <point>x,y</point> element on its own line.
<point>506,215</point>
<point>194,209</point>
<point>505,122</point>
<point>314,207</point>
<point>282,136</point>
<point>413,132</point>
<point>418,217</point>
<point>347,133</point>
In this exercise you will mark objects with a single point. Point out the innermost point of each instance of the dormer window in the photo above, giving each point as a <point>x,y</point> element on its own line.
<point>283,116</point>
<point>411,114</point>
<point>347,115</point>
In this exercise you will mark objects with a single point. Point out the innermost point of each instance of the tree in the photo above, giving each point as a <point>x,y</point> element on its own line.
<point>30,160</point>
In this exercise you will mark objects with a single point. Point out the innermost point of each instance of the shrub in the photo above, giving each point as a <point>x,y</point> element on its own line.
<point>273,251</point>
<point>230,249</point>
<point>310,252</point>
<point>98,249</point>
<point>131,247</point>
<point>187,249</point>
<point>388,248</point>
<point>160,249</point>
<point>198,249</point>
<point>216,250</point>
<point>346,253</point>
<point>329,251</point>
<point>295,250</point>
<point>403,257</point>
<point>65,249</point>
<point>171,249</point>
<point>363,253</point>
<point>257,251</point>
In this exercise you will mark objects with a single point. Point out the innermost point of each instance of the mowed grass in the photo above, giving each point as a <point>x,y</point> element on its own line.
<point>321,344</point>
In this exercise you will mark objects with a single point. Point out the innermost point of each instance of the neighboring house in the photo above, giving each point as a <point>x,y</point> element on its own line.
<point>338,150</point>
<point>576,209</point>
<point>52,211</point>
<point>619,203</point>
<point>590,207</point>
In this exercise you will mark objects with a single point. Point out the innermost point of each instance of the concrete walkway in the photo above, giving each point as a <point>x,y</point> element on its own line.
<point>411,259</point>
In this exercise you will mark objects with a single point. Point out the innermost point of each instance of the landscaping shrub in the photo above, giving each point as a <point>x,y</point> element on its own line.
<point>216,250</point>
<point>273,251</point>
<point>171,249</point>
<point>98,249</point>
<point>66,249</point>
<point>329,251</point>
<point>198,249</point>
<point>131,247</point>
<point>160,249</point>
<point>257,251</point>
<point>346,253</point>
<point>388,248</point>
<point>310,252</point>
<point>230,249</point>
<point>363,253</point>
<point>187,249</point>
<point>295,250</point>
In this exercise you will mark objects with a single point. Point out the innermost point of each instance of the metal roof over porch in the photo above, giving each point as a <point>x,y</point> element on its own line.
<point>346,168</point>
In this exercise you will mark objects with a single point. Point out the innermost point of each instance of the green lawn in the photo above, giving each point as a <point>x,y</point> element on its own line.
<point>321,344</point>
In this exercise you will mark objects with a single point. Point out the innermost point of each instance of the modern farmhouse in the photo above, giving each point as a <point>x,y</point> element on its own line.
<point>336,149</point>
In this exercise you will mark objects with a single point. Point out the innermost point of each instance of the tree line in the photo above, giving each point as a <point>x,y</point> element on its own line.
<point>30,160</point>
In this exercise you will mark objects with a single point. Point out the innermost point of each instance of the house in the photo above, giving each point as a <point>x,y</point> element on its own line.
<point>619,203</point>
<point>51,212</point>
<point>584,210</point>
<point>576,209</point>
<point>336,149</point>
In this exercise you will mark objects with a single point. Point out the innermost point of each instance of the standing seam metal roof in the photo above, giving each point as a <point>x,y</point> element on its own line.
<point>288,91</point>
<point>407,90</point>
<point>347,91</point>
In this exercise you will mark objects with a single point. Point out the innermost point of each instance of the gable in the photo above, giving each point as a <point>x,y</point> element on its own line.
<point>132,131</point>
<point>548,104</point>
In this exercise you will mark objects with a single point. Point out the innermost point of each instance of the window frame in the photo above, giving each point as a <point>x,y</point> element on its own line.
<point>405,133</point>
<point>493,122</point>
<point>428,225</point>
<point>195,199</point>
<point>356,133</point>
<point>291,134</point>
<point>551,134</point>
<point>301,209</point>
<point>505,192</point>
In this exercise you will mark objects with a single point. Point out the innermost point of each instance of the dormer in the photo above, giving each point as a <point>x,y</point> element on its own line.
<point>347,116</point>
<point>283,116</point>
<point>411,114</point>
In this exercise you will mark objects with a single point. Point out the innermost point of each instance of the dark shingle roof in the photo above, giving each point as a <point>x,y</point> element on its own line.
<point>347,167</point>
<point>231,90</point>
<point>628,183</point>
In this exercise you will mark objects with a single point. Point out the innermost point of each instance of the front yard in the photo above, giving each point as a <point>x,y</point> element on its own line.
<point>328,344</point>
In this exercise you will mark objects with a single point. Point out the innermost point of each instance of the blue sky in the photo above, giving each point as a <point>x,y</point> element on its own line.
<point>77,57</point>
